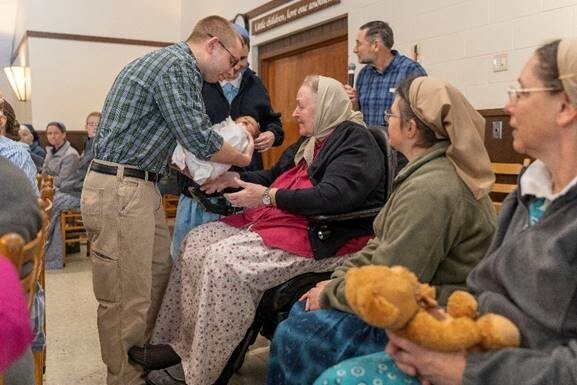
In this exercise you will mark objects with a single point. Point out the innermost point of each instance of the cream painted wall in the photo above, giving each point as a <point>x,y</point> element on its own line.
<point>71,78</point>
<point>457,38</point>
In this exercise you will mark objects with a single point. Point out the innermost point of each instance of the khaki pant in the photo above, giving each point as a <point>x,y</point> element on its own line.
<point>130,264</point>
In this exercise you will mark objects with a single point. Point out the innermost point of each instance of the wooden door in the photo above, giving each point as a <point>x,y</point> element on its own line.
<point>284,73</point>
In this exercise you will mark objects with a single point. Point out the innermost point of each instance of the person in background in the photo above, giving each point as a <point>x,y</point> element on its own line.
<point>36,151</point>
<point>529,272</point>
<point>242,96</point>
<point>438,222</point>
<point>61,158</point>
<point>384,69</point>
<point>15,152</point>
<point>67,197</point>
<point>154,101</point>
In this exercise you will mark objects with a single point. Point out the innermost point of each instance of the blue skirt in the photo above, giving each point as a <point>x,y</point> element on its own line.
<point>373,369</point>
<point>307,343</point>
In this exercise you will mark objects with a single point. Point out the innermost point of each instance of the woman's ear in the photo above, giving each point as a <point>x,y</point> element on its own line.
<point>568,112</point>
<point>411,129</point>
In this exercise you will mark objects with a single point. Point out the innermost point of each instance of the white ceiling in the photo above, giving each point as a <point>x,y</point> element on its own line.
<point>7,23</point>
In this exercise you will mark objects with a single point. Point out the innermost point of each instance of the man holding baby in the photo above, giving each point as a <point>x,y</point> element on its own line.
<point>154,101</point>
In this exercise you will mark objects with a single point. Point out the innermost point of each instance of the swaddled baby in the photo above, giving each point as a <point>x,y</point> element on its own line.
<point>234,132</point>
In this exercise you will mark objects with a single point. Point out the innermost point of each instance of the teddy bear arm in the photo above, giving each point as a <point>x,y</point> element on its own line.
<point>449,335</point>
<point>462,304</point>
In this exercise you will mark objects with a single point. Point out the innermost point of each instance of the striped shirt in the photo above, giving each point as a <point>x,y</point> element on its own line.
<point>155,101</point>
<point>19,154</point>
<point>375,90</point>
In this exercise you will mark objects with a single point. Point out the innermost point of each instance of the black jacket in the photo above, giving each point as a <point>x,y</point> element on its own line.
<point>253,100</point>
<point>347,175</point>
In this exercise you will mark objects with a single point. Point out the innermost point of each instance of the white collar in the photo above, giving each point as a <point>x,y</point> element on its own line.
<point>537,181</point>
<point>234,82</point>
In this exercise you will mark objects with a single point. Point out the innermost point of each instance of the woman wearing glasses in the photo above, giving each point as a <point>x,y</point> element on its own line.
<point>529,272</point>
<point>438,222</point>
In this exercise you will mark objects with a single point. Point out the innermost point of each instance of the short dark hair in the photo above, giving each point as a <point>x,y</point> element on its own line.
<point>381,30</point>
<point>60,126</point>
<point>427,135</point>
<point>547,69</point>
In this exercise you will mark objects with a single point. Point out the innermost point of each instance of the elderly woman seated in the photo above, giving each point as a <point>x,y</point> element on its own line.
<point>61,158</point>
<point>529,272</point>
<point>224,267</point>
<point>438,222</point>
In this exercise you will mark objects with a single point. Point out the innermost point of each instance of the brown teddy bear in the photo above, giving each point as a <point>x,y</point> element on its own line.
<point>392,298</point>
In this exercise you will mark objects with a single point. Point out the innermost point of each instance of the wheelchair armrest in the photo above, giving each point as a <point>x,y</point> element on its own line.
<point>366,213</point>
<point>286,294</point>
<point>277,302</point>
<point>204,201</point>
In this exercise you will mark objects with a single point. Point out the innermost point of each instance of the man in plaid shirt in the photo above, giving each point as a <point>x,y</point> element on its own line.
<point>385,68</point>
<point>154,101</point>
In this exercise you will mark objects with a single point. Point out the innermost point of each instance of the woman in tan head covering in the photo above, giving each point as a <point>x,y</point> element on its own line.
<point>224,266</point>
<point>529,272</point>
<point>438,222</point>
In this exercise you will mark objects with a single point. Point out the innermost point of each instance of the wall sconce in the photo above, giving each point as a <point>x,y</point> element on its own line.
<point>17,78</point>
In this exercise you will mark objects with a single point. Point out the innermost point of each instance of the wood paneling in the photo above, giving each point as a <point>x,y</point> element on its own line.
<point>285,63</point>
<point>500,150</point>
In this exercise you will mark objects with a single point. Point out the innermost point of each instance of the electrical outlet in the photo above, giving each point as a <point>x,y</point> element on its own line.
<point>497,127</point>
<point>500,63</point>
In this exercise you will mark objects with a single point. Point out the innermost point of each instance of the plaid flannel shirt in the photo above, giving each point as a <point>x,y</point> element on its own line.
<point>375,90</point>
<point>154,102</point>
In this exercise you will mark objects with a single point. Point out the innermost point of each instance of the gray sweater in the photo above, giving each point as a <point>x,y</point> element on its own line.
<point>530,276</point>
<point>60,164</point>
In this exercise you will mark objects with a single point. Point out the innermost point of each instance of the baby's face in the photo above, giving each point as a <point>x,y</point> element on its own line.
<point>250,125</point>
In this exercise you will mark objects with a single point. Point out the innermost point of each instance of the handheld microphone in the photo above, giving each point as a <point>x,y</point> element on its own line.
<point>351,73</point>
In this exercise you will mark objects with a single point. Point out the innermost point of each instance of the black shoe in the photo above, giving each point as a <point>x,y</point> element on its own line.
<point>169,376</point>
<point>153,357</point>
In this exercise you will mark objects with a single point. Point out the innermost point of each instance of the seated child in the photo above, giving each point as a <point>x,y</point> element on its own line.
<point>234,132</point>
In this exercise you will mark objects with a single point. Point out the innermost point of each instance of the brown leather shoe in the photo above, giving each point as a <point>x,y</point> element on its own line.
<point>153,357</point>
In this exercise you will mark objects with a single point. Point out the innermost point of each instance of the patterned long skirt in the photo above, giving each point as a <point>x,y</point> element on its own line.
<point>308,342</point>
<point>54,246</point>
<point>215,286</point>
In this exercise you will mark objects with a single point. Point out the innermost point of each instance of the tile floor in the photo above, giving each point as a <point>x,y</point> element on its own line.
<point>73,354</point>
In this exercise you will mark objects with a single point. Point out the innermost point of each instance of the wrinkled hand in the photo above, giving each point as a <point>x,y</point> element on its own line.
<point>226,180</point>
<point>312,296</point>
<point>250,195</point>
<point>264,141</point>
<point>431,367</point>
<point>352,94</point>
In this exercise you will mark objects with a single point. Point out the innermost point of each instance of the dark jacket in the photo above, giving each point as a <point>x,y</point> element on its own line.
<point>253,100</point>
<point>348,174</point>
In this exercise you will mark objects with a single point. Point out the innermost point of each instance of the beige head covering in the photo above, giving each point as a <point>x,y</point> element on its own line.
<point>332,108</point>
<point>567,65</point>
<point>446,111</point>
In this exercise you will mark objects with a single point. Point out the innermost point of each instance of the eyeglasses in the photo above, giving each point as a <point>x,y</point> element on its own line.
<point>92,124</point>
<point>515,93</point>
<point>388,115</point>
<point>233,59</point>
